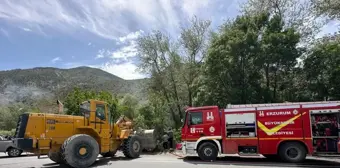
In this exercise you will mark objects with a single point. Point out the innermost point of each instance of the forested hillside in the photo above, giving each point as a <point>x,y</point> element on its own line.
<point>20,85</point>
<point>269,53</point>
<point>38,89</point>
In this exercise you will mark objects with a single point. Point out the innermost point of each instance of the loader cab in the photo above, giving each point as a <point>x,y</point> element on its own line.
<point>96,112</point>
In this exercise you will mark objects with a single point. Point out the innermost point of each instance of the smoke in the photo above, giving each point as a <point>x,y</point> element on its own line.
<point>25,94</point>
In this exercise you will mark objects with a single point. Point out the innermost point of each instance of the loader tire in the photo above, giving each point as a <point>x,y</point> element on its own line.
<point>109,154</point>
<point>132,147</point>
<point>80,150</point>
<point>55,157</point>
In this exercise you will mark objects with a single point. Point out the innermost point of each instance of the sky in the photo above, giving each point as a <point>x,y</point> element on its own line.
<point>96,33</point>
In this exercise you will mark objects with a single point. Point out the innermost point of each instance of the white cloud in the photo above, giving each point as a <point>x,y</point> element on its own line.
<point>102,53</point>
<point>192,7</point>
<point>107,18</point>
<point>131,36</point>
<point>128,47</point>
<point>120,65</point>
<point>126,51</point>
<point>26,29</point>
<point>126,70</point>
<point>54,60</point>
<point>4,32</point>
<point>99,56</point>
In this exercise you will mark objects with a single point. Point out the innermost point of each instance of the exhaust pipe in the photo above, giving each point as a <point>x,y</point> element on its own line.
<point>60,107</point>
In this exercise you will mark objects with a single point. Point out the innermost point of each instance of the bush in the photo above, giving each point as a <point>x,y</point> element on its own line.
<point>7,133</point>
<point>177,135</point>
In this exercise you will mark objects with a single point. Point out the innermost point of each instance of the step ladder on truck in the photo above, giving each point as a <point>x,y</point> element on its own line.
<point>286,131</point>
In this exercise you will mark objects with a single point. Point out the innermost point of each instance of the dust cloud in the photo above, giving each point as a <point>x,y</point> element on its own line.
<point>16,93</point>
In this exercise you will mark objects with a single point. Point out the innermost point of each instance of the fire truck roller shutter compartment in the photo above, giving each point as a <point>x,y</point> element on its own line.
<point>239,128</point>
<point>325,130</point>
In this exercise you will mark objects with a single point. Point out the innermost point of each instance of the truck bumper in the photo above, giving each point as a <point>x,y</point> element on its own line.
<point>188,148</point>
<point>23,144</point>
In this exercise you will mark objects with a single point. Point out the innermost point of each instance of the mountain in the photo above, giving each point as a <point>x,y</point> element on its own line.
<point>45,82</point>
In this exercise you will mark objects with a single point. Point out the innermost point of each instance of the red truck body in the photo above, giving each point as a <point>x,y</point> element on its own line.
<point>290,131</point>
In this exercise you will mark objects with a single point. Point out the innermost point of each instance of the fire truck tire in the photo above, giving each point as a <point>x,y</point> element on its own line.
<point>80,150</point>
<point>132,147</point>
<point>207,151</point>
<point>292,152</point>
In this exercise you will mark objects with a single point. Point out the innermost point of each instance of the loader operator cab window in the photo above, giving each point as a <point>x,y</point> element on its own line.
<point>100,111</point>
<point>85,109</point>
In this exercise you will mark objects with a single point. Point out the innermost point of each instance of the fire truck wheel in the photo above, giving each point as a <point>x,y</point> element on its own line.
<point>207,151</point>
<point>292,152</point>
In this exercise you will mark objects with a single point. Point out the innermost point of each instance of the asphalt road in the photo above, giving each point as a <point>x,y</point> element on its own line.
<point>168,161</point>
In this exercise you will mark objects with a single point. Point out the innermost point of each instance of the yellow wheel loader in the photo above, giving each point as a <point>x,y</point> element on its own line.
<point>77,140</point>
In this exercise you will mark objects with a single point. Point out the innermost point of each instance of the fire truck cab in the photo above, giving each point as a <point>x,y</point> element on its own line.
<point>288,131</point>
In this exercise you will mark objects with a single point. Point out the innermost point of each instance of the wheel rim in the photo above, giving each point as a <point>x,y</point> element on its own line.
<point>208,151</point>
<point>136,146</point>
<point>83,151</point>
<point>14,152</point>
<point>292,153</point>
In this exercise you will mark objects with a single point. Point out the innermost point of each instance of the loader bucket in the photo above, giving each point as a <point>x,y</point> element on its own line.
<point>149,141</point>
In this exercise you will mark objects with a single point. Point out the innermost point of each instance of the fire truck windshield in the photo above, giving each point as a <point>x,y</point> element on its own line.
<point>193,118</point>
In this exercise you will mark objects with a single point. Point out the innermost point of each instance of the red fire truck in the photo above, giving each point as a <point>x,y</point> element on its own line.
<point>288,131</point>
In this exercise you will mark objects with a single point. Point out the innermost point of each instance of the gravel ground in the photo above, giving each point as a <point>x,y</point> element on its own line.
<point>168,161</point>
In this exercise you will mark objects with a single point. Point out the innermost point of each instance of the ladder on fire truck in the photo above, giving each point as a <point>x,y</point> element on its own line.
<point>282,104</point>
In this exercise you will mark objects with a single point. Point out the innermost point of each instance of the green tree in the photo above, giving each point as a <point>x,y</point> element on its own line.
<point>231,74</point>
<point>77,96</point>
<point>248,60</point>
<point>322,69</point>
<point>175,66</point>
<point>147,112</point>
<point>329,8</point>
<point>279,56</point>
<point>193,40</point>
<point>159,58</point>
<point>128,106</point>
<point>297,14</point>
<point>9,115</point>
<point>73,100</point>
